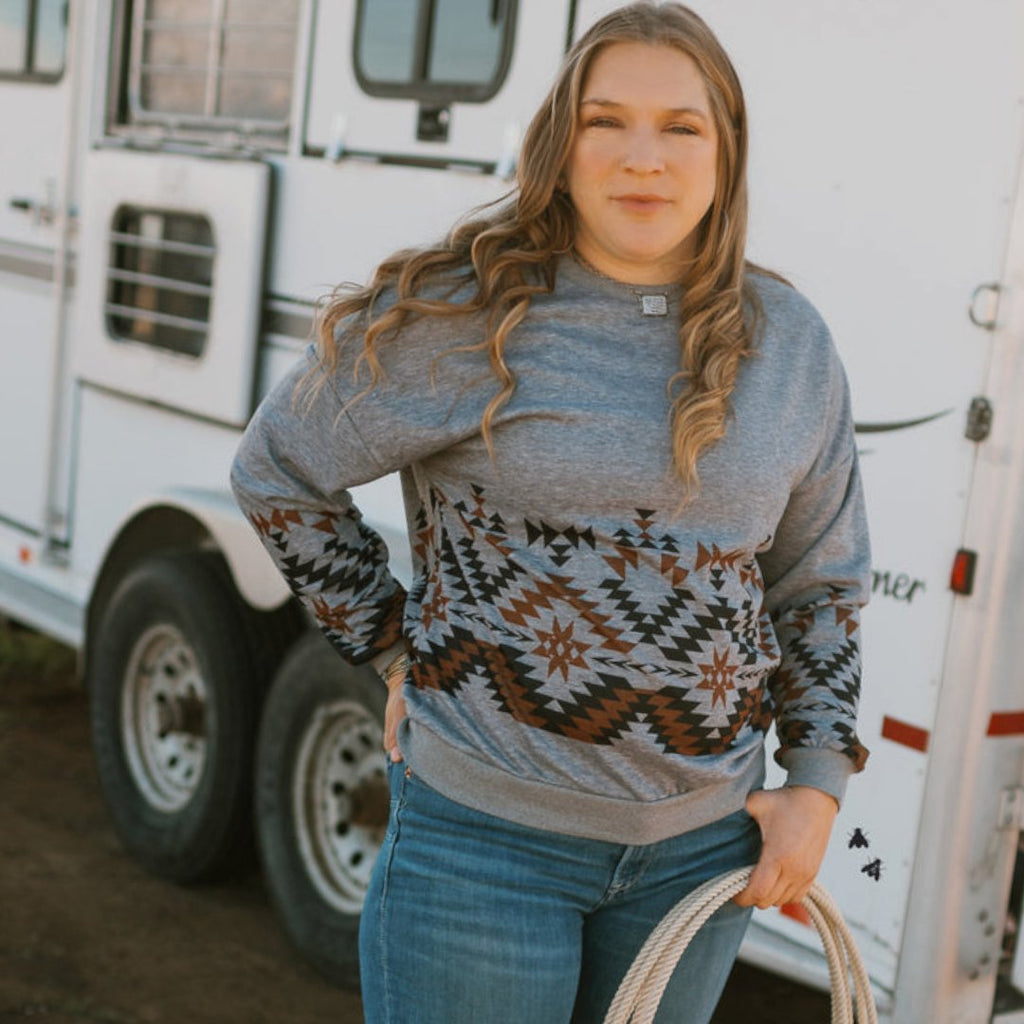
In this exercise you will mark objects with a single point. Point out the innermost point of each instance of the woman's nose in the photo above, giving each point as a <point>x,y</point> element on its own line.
<point>643,154</point>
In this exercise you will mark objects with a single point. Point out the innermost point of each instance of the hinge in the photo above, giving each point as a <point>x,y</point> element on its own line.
<point>1011,808</point>
<point>979,419</point>
<point>984,307</point>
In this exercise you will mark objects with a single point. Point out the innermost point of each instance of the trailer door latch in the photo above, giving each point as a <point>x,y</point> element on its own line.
<point>1011,808</point>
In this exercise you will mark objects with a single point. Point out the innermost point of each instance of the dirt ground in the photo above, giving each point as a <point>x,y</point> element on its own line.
<point>86,935</point>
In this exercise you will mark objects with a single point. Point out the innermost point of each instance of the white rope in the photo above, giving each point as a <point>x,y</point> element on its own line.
<point>637,999</point>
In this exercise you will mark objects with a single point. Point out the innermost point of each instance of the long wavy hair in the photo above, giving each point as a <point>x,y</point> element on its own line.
<point>510,249</point>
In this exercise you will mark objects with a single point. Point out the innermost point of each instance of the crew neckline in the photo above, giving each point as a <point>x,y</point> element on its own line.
<point>576,272</point>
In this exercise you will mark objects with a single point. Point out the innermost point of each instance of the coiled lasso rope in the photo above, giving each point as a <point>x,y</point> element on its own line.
<point>641,990</point>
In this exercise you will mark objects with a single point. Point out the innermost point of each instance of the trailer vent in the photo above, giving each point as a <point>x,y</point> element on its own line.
<point>160,279</point>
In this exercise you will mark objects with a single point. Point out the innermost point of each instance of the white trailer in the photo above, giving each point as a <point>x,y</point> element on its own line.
<point>181,179</point>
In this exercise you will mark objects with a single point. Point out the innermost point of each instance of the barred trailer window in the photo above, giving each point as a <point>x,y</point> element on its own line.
<point>439,50</point>
<point>160,279</point>
<point>213,64</point>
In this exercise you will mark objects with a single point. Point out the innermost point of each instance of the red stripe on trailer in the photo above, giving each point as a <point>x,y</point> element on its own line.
<point>798,912</point>
<point>903,732</point>
<point>1006,723</point>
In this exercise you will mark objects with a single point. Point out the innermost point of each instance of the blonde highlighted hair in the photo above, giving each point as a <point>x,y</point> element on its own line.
<point>510,249</point>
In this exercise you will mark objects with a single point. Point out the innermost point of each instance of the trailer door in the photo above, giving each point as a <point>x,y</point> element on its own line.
<point>174,208</point>
<point>171,280</point>
<point>34,125</point>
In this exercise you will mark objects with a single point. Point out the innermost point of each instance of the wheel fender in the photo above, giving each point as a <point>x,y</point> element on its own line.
<point>255,576</point>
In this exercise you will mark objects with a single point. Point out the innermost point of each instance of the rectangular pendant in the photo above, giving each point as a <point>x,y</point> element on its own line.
<point>654,305</point>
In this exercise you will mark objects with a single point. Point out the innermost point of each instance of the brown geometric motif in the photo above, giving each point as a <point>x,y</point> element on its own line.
<point>560,648</point>
<point>718,677</point>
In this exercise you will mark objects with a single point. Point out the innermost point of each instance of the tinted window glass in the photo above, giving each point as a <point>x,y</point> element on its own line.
<point>468,38</point>
<point>39,52</point>
<point>387,39</point>
<point>13,34</point>
<point>436,49</point>
<point>49,38</point>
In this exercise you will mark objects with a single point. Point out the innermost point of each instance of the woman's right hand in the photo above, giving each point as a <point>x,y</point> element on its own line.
<point>394,712</point>
<point>392,665</point>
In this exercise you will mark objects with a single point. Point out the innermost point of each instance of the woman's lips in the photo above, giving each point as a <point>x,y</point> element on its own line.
<point>639,203</point>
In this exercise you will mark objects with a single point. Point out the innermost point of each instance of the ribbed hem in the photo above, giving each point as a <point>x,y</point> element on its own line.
<point>472,783</point>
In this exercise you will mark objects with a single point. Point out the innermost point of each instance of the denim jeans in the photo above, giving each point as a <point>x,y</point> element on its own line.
<point>471,919</point>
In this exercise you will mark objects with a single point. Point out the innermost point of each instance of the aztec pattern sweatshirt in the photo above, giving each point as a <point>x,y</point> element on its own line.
<point>588,654</point>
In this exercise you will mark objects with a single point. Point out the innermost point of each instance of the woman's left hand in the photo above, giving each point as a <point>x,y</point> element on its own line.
<point>795,823</point>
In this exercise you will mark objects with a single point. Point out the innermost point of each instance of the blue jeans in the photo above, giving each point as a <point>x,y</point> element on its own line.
<point>471,919</point>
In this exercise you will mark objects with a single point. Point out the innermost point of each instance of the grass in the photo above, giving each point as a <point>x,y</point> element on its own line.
<point>26,654</point>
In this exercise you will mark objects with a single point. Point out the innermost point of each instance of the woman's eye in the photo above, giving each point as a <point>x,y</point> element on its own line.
<point>682,129</point>
<point>601,122</point>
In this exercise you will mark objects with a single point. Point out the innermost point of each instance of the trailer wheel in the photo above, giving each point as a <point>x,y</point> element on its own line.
<point>174,704</point>
<point>321,801</point>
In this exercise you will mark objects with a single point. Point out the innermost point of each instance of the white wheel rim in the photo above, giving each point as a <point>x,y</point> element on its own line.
<point>340,750</point>
<point>164,717</point>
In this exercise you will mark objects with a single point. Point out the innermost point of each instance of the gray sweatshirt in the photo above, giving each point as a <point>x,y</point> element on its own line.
<point>588,654</point>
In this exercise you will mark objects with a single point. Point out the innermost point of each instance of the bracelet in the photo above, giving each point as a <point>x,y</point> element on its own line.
<point>396,669</point>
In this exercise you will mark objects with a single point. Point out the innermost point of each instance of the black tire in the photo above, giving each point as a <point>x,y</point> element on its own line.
<point>321,801</point>
<point>174,705</point>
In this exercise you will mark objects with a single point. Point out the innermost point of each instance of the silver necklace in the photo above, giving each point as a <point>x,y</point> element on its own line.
<point>651,303</point>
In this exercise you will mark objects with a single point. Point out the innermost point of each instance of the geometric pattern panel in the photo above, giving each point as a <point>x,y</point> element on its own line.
<point>588,636</point>
<point>593,638</point>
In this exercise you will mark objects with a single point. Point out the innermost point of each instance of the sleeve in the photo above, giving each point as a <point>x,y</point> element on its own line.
<point>291,477</point>
<point>817,578</point>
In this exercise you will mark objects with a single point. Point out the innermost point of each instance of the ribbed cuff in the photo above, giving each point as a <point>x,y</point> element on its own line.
<point>382,660</point>
<point>827,770</point>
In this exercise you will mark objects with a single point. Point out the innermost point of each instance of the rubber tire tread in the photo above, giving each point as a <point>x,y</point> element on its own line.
<point>313,674</point>
<point>213,833</point>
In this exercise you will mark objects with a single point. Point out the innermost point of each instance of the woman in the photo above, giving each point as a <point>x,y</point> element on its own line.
<point>638,537</point>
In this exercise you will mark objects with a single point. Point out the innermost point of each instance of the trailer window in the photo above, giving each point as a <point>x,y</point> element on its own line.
<point>160,279</point>
<point>201,65</point>
<point>32,39</point>
<point>439,50</point>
